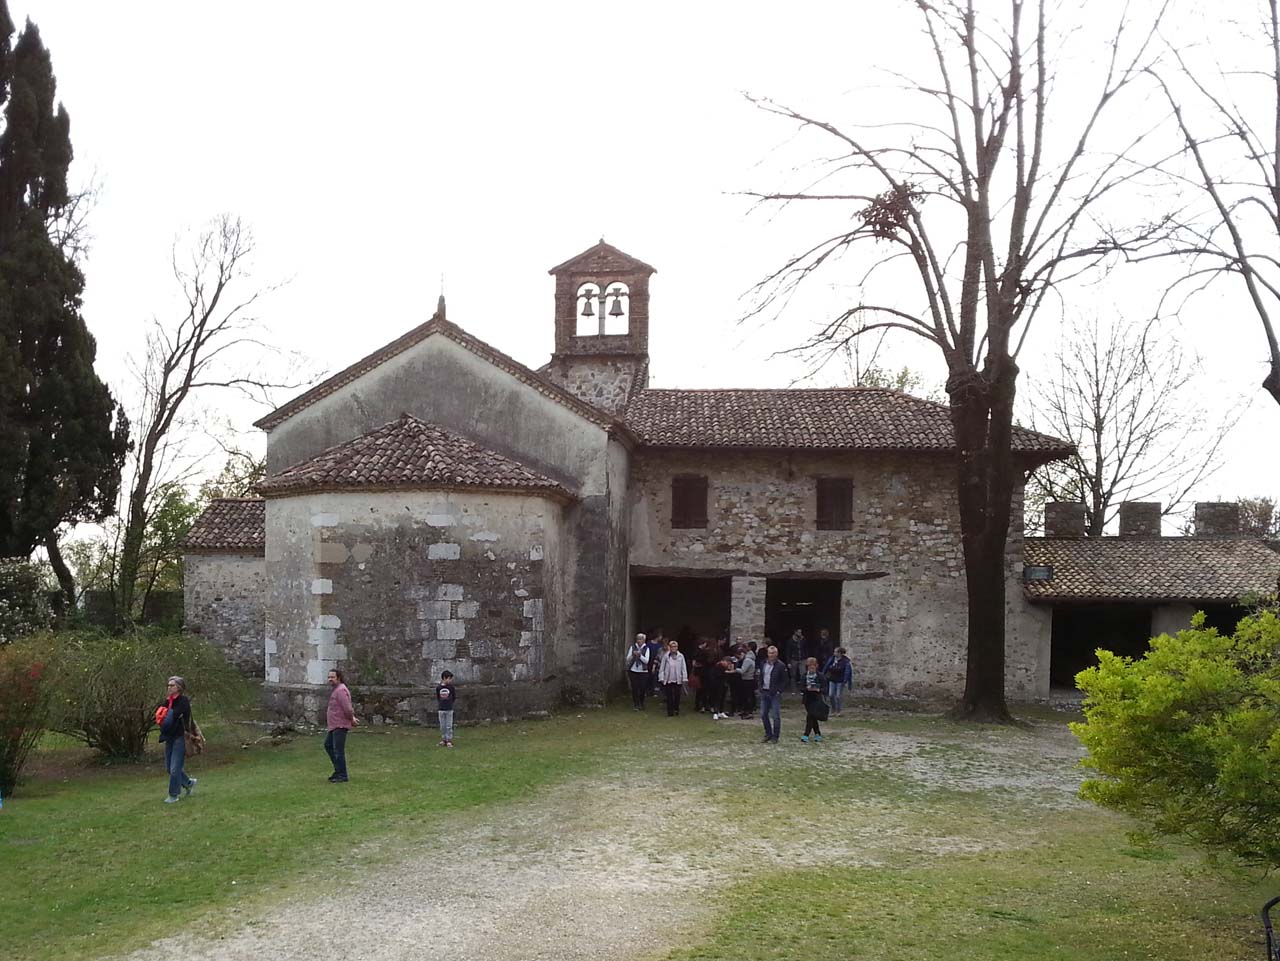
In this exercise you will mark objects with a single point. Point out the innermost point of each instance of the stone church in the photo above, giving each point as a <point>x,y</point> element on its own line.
<point>439,505</point>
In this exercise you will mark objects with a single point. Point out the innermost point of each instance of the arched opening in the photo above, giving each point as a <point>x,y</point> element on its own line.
<point>589,310</point>
<point>617,315</point>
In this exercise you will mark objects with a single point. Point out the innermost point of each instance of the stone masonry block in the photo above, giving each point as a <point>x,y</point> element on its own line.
<point>322,585</point>
<point>483,536</point>
<point>449,592</point>
<point>324,520</point>
<point>434,610</point>
<point>533,607</point>
<point>468,609</point>
<point>451,630</point>
<point>535,552</point>
<point>321,635</point>
<point>444,552</point>
<point>441,520</point>
<point>438,649</point>
<point>332,621</point>
<point>333,553</point>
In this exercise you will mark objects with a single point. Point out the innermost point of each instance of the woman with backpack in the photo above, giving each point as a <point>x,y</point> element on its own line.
<point>838,672</point>
<point>174,717</point>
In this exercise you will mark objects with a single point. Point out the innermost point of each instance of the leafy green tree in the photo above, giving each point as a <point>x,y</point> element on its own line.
<point>1188,736</point>
<point>238,477</point>
<point>1259,517</point>
<point>62,437</point>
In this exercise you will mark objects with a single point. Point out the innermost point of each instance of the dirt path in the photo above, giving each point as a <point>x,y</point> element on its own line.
<point>572,872</point>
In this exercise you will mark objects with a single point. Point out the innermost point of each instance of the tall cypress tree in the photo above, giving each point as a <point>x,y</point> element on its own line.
<point>62,437</point>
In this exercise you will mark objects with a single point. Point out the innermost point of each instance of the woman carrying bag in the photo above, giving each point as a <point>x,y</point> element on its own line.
<point>176,725</point>
<point>815,708</point>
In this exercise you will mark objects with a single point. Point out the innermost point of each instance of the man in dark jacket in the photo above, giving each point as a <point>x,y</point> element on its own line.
<point>771,679</point>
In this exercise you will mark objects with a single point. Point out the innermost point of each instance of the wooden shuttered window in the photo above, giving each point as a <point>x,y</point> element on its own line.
<point>688,501</point>
<point>835,503</point>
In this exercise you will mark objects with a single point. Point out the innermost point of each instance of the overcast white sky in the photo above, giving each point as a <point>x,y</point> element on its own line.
<point>378,147</point>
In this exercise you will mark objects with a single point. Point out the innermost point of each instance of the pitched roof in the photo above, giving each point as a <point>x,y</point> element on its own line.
<point>229,525</point>
<point>1219,569</point>
<point>409,453</point>
<point>436,325</point>
<point>605,258</point>
<point>850,418</point>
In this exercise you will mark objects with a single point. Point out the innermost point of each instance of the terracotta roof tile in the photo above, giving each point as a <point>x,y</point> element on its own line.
<point>409,453</point>
<point>229,525</point>
<point>852,418</point>
<point>1220,569</point>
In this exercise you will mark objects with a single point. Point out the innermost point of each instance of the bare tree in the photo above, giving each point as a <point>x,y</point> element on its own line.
<point>1124,394</point>
<point>1235,161</point>
<point>973,213</point>
<point>207,347</point>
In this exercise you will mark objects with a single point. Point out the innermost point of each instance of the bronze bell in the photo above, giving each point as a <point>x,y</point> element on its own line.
<point>587,309</point>
<point>616,309</point>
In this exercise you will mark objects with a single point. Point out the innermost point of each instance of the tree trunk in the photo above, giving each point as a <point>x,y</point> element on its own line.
<point>66,582</point>
<point>1272,383</point>
<point>982,416</point>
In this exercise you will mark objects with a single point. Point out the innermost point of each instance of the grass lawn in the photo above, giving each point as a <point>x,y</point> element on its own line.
<point>902,836</point>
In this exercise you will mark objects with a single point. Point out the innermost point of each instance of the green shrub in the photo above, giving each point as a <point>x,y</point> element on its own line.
<point>25,700</point>
<point>108,686</point>
<point>24,602</point>
<point>1188,736</point>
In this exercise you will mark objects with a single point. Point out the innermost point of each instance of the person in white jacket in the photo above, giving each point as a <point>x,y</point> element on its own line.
<point>638,671</point>
<point>673,674</point>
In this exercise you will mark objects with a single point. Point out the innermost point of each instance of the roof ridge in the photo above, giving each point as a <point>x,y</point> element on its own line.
<point>372,461</point>
<point>415,336</point>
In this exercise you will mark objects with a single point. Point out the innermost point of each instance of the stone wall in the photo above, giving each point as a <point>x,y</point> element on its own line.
<point>473,397</point>
<point>606,382</point>
<point>395,587</point>
<point>224,598</point>
<point>903,602</point>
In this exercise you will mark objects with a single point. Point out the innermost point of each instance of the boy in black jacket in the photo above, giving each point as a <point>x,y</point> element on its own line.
<point>446,696</point>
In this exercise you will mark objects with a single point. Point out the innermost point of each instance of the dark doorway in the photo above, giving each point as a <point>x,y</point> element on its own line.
<point>684,607</point>
<point>1079,631</point>
<point>806,603</point>
<point>1224,617</point>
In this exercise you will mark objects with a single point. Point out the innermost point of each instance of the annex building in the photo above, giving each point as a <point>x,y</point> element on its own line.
<point>438,505</point>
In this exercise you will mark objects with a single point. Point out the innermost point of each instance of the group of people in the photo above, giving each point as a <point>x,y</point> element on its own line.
<point>180,734</point>
<point>744,674</point>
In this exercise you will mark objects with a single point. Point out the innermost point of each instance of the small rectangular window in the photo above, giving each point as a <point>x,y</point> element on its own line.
<point>835,503</point>
<point>688,501</point>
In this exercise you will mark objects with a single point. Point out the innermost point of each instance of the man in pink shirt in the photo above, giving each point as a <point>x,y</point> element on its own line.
<point>341,718</point>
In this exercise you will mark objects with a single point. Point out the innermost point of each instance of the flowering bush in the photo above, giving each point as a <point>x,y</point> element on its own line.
<point>25,701</point>
<point>24,606</point>
<point>108,686</point>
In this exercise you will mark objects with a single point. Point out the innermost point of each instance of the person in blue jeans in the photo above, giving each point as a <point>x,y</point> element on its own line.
<point>771,679</point>
<point>839,674</point>
<point>174,718</point>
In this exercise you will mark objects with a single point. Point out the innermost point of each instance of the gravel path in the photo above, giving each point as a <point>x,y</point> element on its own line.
<point>568,874</point>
